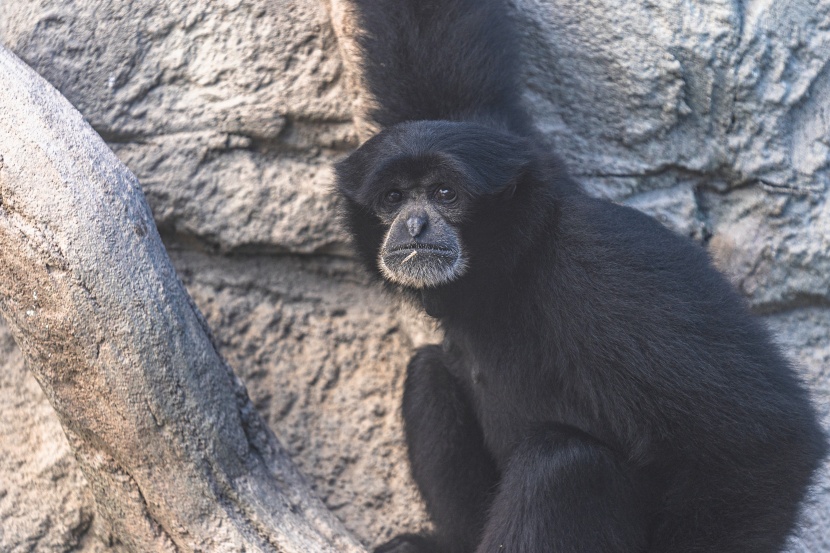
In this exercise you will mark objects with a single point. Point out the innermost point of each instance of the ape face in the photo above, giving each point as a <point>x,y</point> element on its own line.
<point>422,185</point>
<point>422,212</point>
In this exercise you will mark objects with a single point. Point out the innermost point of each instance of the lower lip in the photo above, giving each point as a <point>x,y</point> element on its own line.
<point>420,252</point>
<point>426,248</point>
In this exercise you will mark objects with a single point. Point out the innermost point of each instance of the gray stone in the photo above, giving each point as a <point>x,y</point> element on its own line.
<point>44,502</point>
<point>230,112</point>
<point>774,245</point>
<point>234,198</point>
<point>730,91</point>
<point>803,333</point>
<point>323,357</point>
<point>158,67</point>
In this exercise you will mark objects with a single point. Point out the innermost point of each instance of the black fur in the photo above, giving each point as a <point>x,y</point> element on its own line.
<point>441,60</point>
<point>601,387</point>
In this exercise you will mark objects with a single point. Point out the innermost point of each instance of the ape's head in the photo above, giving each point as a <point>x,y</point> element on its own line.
<point>415,192</point>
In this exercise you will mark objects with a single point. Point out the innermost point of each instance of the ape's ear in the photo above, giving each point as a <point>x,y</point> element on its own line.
<point>350,174</point>
<point>353,172</point>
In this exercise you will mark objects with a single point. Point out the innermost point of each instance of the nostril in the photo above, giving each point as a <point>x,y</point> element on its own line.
<point>415,224</point>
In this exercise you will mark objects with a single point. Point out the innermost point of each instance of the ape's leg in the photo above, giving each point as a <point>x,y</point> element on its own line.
<point>564,492</point>
<point>454,472</point>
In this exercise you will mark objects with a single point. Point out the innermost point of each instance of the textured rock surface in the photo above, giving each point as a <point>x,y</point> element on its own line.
<point>716,113</point>
<point>712,116</point>
<point>323,357</point>
<point>44,502</point>
<point>228,112</point>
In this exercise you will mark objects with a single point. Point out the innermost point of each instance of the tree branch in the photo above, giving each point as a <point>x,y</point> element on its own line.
<point>173,450</point>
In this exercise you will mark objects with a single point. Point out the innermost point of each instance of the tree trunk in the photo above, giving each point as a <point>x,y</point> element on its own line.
<point>173,450</point>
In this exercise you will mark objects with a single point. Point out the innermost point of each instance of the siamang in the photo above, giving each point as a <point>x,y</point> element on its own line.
<point>601,387</point>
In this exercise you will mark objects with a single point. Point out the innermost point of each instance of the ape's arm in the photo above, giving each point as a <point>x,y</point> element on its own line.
<point>562,491</point>
<point>454,471</point>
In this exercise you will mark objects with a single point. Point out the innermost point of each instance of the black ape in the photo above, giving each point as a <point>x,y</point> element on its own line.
<point>601,387</point>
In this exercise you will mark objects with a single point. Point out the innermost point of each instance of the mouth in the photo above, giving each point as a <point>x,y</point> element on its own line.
<point>420,265</point>
<point>407,249</point>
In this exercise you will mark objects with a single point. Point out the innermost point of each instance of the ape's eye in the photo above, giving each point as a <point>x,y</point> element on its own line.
<point>393,196</point>
<point>445,194</point>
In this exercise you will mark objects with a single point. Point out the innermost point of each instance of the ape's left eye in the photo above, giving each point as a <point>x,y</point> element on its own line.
<point>393,196</point>
<point>445,194</point>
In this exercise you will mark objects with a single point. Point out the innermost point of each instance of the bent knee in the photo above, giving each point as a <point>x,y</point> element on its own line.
<point>427,370</point>
<point>427,357</point>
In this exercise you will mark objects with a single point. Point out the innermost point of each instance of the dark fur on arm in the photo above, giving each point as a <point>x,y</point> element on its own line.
<point>455,60</point>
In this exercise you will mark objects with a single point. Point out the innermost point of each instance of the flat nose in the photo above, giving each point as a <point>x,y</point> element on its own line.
<point>415,224</point>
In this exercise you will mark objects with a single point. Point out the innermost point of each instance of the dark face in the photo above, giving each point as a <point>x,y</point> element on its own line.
<point>415,189</point>
<point>422,246</point>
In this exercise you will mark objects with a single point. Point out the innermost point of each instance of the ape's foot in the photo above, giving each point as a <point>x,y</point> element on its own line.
<point>407,543</point>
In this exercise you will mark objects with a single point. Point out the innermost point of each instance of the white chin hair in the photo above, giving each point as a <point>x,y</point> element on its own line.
<point>423,270</point>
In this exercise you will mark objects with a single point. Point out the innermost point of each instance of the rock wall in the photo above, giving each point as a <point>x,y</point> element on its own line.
<point>712,116</point>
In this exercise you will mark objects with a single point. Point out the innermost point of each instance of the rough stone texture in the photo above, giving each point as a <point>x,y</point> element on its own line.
<point>715,112</point>
<point>712,116</point>
<point>44,502</point>
<point>228,112</point>
<point>803,333</point>
<point>323,357</point>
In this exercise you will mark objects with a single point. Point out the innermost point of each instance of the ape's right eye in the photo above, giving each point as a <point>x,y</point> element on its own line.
<point>393,197</point>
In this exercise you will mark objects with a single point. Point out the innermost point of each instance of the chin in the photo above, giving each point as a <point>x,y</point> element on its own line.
<point>422,268</point>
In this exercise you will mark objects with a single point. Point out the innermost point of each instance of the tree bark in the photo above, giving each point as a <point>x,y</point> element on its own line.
<point>174,452</point>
